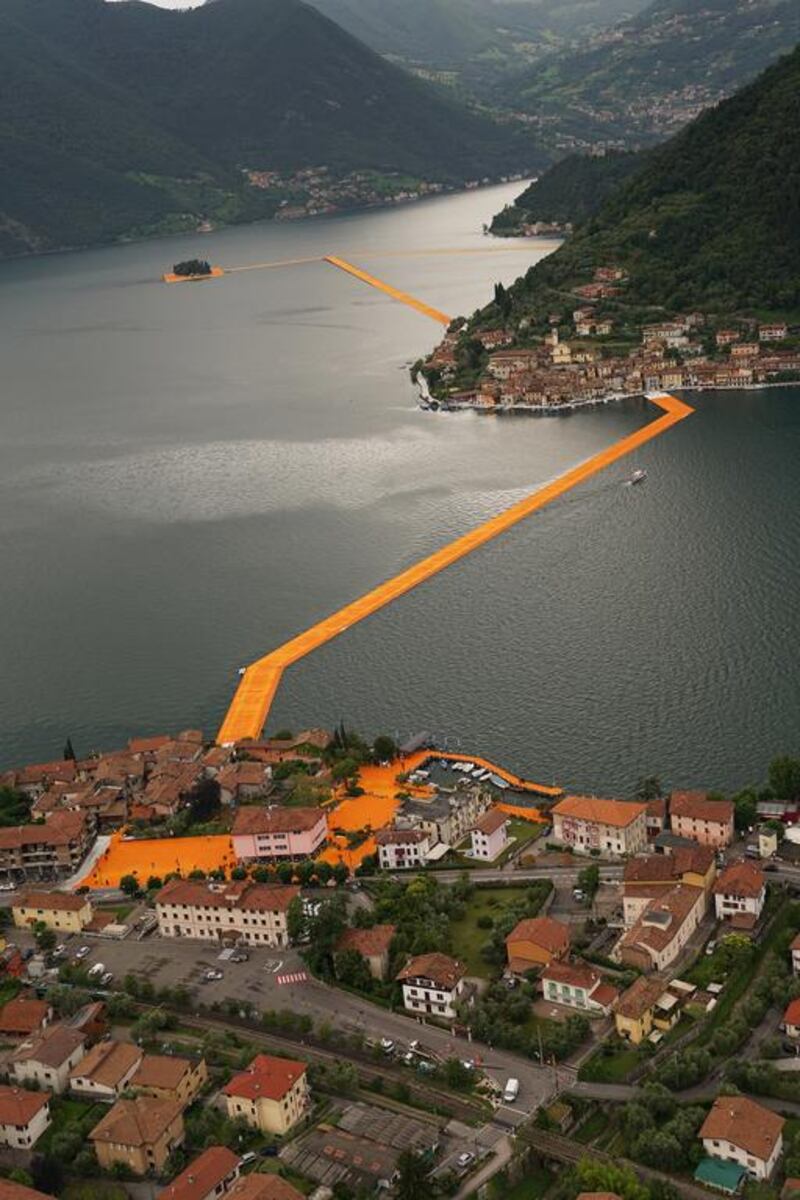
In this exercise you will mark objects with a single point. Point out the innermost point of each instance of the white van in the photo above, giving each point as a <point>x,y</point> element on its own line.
<point>511,1091</point>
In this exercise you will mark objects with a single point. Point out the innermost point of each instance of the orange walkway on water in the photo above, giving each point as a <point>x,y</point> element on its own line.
<point>402,297</point>
<point>248,712</point>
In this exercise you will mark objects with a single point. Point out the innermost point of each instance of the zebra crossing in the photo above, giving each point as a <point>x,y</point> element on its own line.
<point>292,977</point>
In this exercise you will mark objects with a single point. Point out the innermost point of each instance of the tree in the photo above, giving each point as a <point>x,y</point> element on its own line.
<point>412,1182</point>
<point>204,800</point>
<point>45,937</point>
<point>457,1076</point>
<point>589,880</point>
<point>238,873</point>
<point>352,970</point>
<point>607,1177</point>
<point>323,932</point>
<point>745,808</point>
<point>384,748</point>
<point>648,788</point>
<point>154,883</point>
<point>129,884</point>
<point>296,921</point>
<point>784,777</point>
<point>69,753</point>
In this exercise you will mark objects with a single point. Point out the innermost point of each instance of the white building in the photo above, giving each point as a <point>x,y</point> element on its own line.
<point>490,835</point>
<point>740,1131</point>
<point>612,828</point>
<point>667,923</point>
<point>433,984</point>
<point>577,986</point>
<point>399,849</point>
<point>47,1060</point>
<point>254,914</point>
<point>24,1116</point>
<point>794,950</point>
<point>739,894</point>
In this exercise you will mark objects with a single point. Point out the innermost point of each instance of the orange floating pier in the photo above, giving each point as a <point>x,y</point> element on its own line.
<point>248,712</point>
<point>171,277</point>
<point>402,297</point>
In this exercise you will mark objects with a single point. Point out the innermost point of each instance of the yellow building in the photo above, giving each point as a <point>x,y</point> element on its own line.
<point>634,1014</point>
<point>534,942</point>
<point>271,1095</point>
<point>169,1078</point>
<point>140,1133</point>
<point>60,911</point>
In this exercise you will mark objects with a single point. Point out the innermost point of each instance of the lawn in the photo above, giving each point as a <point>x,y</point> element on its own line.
<point>537,1182</point>
<point>467,937</point>
<point>65,1113</point>
<point>610,1068</point>
<point>94,1189</point>
<point>595,1124</point>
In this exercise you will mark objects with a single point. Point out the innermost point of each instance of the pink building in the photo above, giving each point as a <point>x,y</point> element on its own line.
<point>264,834</point>
<point>709,822</point>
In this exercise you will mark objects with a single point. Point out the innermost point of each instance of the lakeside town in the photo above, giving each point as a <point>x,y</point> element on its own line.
<point>314,965</point>
<point>592,350</point>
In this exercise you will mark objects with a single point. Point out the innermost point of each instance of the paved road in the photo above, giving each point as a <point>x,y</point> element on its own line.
<point>273,979</point>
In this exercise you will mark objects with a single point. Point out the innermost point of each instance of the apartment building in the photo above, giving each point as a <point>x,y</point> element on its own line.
<point>140,1134</point>
<point>169,1077</point>
<point>272,1095</point>
<point>63,912</point>
<point>209,1176</point>
<point>402,849</point>
<point>534,942</point>
<point>490,835</point>
<point>255,914</point>
<point>576,985</point>
<point>447,816</point>
<point>709,822</point>
<point>612,828</point>
<point>649,876</point>
<point>47,1059</point>
<point>49,851</point>
<point>106,1071</point>
<point>24,1116</point>
<point>740,1131</point>
<point>276,834</point>
<point>432,983</point>
<point>739,894</point>
<point>667,923</point>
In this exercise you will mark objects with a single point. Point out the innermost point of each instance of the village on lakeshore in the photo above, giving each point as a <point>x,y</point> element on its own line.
<point>316,965</point>
<point>592,350</point>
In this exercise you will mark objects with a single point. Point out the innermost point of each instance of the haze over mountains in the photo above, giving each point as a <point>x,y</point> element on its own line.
<point>711,220</point>
<point>128,119</point>
<point>647,77</point>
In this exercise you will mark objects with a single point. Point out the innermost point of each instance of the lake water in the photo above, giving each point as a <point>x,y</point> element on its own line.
<point>190,475</point>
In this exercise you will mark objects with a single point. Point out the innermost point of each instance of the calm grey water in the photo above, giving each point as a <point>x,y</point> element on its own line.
<point>190,475</point>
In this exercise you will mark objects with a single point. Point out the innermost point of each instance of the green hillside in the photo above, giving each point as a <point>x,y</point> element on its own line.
<point>475,39</point>
<point>652,74</point>
<point>124,119</point>
<point>569,192</point>
<point>710,222</point>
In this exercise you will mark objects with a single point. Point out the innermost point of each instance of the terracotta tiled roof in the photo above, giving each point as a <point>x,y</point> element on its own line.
<point>108,1063</point>
<point>491,821</point>
<point>741,879</point>
<point>263,1187</point>
<point>369,942</point>
<point>147,745</point>
<point>619,813</point>
<point>792,1014</point>
<point>640,997</point>
<point>18,1106</point>
<point>657,808</point>
<point>748,1125</point>
<point>400,837</point>
<point>662,918</point>
<point>574,974</point>
<point>23,1016</point>
<point>698,807</point>
<point>52,1048</point>
<point>161,1071</point>
<point>54,901</point>
<point>542,931</point>
<point>61,829</point>
<point>9,1190</point>
<point>253,819</point>
<point>443,971</point>
<point>139,1122</point>
<point>241,894</point>
<point>202,1176</point>
<point>664,868</point>
<point>266,1076</point>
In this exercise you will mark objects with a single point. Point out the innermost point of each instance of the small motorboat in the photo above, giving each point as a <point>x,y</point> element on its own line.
<point>638,476</point>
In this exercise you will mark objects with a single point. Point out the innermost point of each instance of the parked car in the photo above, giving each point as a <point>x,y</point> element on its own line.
<point>711,947</point>
<point>387,1045</point>
<point>268,1151</point>
<point>247,1158</point>
<point>105,978</point>
<point>82,951</point>
<point>239,956</point>
<point>465,1159</point>
<point>511,1091</point>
